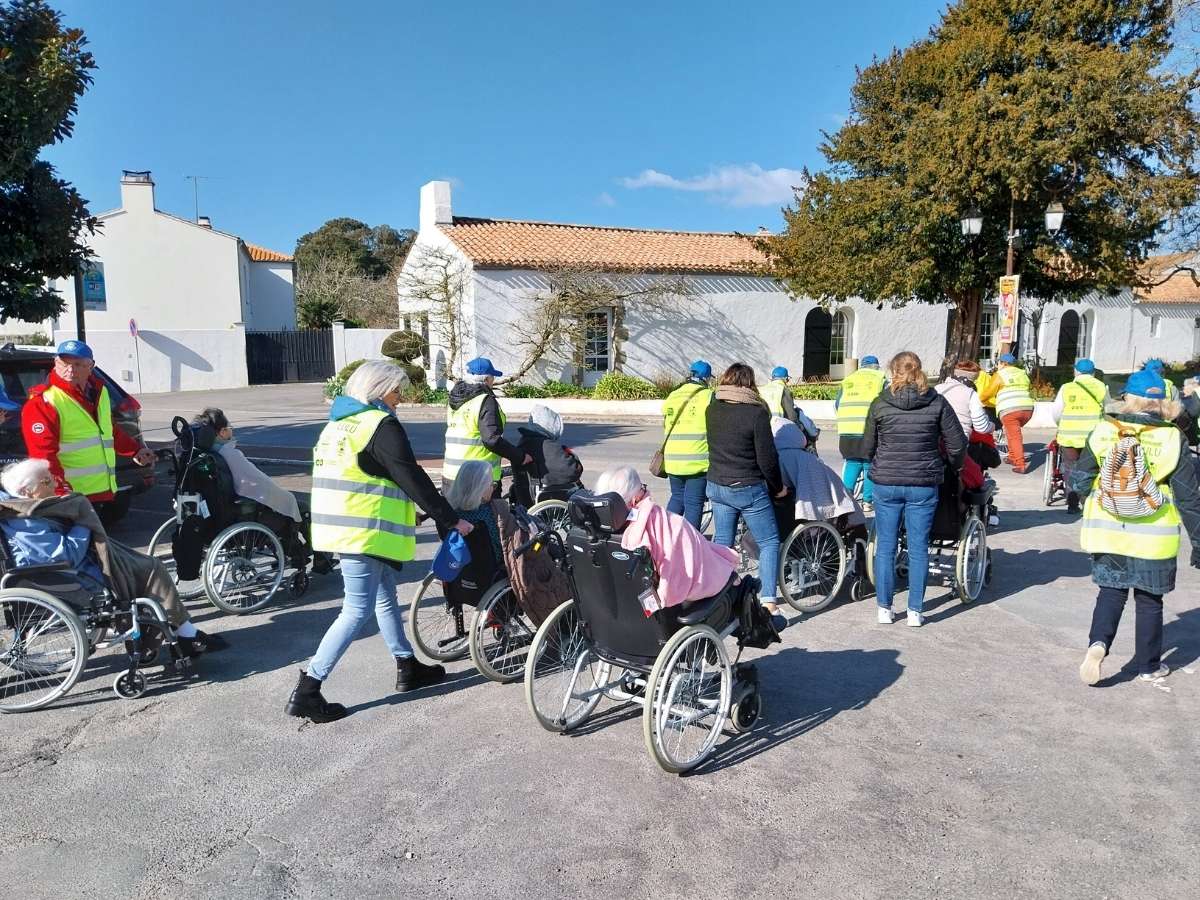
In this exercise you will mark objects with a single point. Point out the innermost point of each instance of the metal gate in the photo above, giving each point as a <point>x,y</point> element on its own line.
<point>276,357</point>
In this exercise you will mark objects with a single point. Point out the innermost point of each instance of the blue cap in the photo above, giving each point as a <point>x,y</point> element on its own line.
<point>779,372</point>
<point>75,348</point>
<point>701,369</point>
<point>1146,383</point>
<point>481,365</point>
<point>1007,358</point>
<point>1085,366</point>
<point>452,557</point>
<point>1154,365</point>
<point>869,361</point>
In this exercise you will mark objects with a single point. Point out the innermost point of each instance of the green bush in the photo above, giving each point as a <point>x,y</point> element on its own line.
<point>816,390</point>
<point>404,346</point>
<point>544,391</point>
<point>618,386</point>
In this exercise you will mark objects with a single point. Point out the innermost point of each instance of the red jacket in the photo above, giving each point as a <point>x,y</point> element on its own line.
<point>39,425</point>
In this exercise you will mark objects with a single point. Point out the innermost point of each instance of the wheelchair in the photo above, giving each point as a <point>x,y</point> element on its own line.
<point>957,541</point>
<point>815,558</point>
<point>549,504</point>
<point>52,621</point>
<point>673,662</point>
<point>245,558</point>
<point>1054,487</point>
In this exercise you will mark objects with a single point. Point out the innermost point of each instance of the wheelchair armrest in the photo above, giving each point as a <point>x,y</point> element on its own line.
<point>698,612</point>
<point>42,569</point>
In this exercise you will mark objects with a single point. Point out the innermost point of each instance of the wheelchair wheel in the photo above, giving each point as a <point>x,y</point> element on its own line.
<point>129,686</point>
<point>706,519</point>
<point>812,566</point>
<point>43,649</point>
<point>901,556</point>
<point>564,679</point>
<point>500,635</point>
<point>971,563</point>
<point>687,698</point>
<point>553,513</point>
<point>746,709</point>
<point>438,629</point>
<point>243,568</point>
<point>1048,477</point>
<point>160,549</point>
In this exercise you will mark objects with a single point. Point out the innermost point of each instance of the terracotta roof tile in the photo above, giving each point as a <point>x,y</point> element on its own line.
<point>1173,278</point>
<point>262,254</point>
<point>501,243</point>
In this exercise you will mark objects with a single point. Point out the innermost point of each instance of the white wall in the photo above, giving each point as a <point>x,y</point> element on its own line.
<point>271,297</point>
<point>350,344</point>
<point>431,238</point>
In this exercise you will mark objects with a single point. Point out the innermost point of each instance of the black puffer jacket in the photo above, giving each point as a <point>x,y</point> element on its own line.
<point>905,436</point>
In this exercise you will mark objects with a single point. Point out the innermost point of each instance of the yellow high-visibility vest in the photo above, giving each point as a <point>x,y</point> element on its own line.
<point>772,393</point>
<point>1014,394</point>
<point>465,442</point>
<point>685,428</point>
<point>859,390</point>
<point>353,512</point>
<point>1083,408</point>
<point>86,449</point>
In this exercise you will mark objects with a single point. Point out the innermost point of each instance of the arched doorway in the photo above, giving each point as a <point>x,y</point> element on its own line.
<point>1068,338</point>
<point>818,334</point>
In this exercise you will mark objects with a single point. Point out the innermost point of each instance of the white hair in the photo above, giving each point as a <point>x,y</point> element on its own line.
<point>476,379</point>
<point>466,491</point>
<point>623,480</point>
<point>22,477</point>
<point>547,420</point>
<point>372,380</point>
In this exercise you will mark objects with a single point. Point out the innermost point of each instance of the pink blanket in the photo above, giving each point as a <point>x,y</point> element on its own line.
<point>689,566</point>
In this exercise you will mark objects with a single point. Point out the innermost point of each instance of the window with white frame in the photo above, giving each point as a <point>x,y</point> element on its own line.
<point>1155,326</point>
<point>839,337</point>
<point>987,332</point>
<point>597,341</point>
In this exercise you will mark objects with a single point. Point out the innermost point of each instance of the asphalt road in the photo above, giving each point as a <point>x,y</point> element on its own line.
<point>960,760</point>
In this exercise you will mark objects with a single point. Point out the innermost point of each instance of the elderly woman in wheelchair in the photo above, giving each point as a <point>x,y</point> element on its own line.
<point>235,532</point>
<point>618,638</point>
<point>66,584</point>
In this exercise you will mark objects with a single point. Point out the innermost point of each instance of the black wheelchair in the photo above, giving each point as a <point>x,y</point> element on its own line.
<point>52,619</point>
<point>673,661</point>
<point>248,548</point>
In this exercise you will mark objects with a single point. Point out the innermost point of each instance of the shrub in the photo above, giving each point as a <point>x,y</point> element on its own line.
<point>665,382</point>
<point>618,386</point>
<point>816,390</point>
<point>544,391</point>
<point>404,346</point>
<point>1042,389</point>
<point>30,340</point>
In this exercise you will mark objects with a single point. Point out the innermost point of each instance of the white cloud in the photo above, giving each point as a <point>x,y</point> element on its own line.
<point>734,185</point>
<point>606,199</point>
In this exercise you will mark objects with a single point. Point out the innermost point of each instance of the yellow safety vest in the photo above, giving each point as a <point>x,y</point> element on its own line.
<point>685,451</point>
<point>86,449</point>
<point>983,381</point>
<point>772,393</point>
<point>1083,408</point>
<point>1171,391</point>
<point>353,512</point>
<point>859,390</point>
<point>465,442</point>
<point>1014,394</point>
<point>1155,536</point>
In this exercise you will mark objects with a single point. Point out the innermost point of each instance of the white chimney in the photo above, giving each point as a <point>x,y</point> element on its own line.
<point>435,205</point>
<point>204,221</point>
<point>137,192</point>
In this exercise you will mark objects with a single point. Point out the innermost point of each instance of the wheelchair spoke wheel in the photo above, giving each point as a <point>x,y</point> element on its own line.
<point>971,563</point>
<point>500,635</point>
<point>564,679</point>
<point>244,568</point>
<point>812,566</point>
<point>160,548</point>
<point>43,648</point>
<point>706,519</point>
<point>1048,478</point>
<point>554,514</point>
<point>439,630</point>
<point>687,699</point>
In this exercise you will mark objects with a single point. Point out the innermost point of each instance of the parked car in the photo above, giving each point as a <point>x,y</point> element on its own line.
<point>23,367</point>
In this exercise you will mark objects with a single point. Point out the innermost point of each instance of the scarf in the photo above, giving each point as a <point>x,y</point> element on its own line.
<point>733,394</point>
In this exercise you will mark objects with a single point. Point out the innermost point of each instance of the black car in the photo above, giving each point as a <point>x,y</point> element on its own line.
<point>22,368</point>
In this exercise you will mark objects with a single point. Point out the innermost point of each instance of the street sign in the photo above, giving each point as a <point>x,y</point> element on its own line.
<point>94,296</point>
<point>133,327</point>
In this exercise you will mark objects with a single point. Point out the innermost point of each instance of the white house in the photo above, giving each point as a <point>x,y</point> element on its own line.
<point>192,290</point>
<point>733,314</point>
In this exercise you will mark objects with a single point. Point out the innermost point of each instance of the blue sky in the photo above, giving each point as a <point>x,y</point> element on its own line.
<point>684,115</point>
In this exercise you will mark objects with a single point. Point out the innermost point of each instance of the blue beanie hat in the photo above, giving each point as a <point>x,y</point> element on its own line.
<point>1008,358</point>
<point>1085,366</point>
<point>869,361</point>
<point>701,369</point>
<point>1154,364</point>
<point>779,372</point>
<point>1146,383</point>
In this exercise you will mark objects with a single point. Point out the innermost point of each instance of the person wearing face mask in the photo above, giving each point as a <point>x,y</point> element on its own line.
<point>367,485</point>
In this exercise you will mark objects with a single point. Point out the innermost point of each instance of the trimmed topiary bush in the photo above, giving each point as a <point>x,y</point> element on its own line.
<point>618,386</point>
<point>404,347</point>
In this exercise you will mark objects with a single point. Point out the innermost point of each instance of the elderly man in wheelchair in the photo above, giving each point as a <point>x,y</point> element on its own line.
<point>66,585</point>
<point>617,639</point>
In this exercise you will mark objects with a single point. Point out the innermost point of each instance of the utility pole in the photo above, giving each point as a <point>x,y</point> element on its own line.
<point>195,180</point>
<point>79,331</point>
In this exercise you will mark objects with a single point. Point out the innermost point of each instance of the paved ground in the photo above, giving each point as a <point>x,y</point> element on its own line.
<point>961,760</point>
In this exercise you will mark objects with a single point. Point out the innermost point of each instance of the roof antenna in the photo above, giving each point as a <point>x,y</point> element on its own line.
<point>195,180</point>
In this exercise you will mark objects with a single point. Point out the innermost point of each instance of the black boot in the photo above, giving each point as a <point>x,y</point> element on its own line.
<point>411,674</point>
<point>307,703</point>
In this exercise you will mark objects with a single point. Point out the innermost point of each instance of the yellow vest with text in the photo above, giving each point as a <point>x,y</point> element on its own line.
<point>772,393</point>
<point>685,451</point>
<point>464,441</point>
<point>1155,536</point>
<point>86,449</point>
<point>1014,394</point>
<point>1083,408</point>
<point>859,390</point>
<point>353,512</point>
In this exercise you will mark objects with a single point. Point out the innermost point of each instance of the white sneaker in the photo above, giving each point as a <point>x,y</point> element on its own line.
<point>1163,672</point>
<point>188,585</point>
<point>868,507</point>
<point>993,520</point>
<point>885,616</point>
<point>1089,671</point>
<point>915,619</point>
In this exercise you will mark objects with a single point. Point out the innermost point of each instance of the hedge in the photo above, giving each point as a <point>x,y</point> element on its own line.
<point>618,386</point>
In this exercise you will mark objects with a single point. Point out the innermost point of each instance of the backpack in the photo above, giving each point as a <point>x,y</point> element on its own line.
<point>1127,488</point>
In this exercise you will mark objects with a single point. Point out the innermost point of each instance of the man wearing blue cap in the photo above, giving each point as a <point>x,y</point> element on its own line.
<point>1078,408</point>
<point>685,442</point>
<point>475,423</point>
<point>68,422</point>
<point>1011,389</point>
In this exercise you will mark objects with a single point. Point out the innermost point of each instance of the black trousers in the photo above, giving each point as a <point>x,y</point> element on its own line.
<point>1148,624</point>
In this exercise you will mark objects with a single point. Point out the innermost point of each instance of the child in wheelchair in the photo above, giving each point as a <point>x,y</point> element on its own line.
<point>40,528</point>
<point>555,467</point>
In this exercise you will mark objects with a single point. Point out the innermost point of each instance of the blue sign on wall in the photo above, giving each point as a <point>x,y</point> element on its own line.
<point>94,297</point>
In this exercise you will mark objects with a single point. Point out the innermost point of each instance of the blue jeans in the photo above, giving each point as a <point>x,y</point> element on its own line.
<point>916,505</point>
<point>753,503</point>
<point>850,471</point>
<point>687,496</point>
<point>368,582</point>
